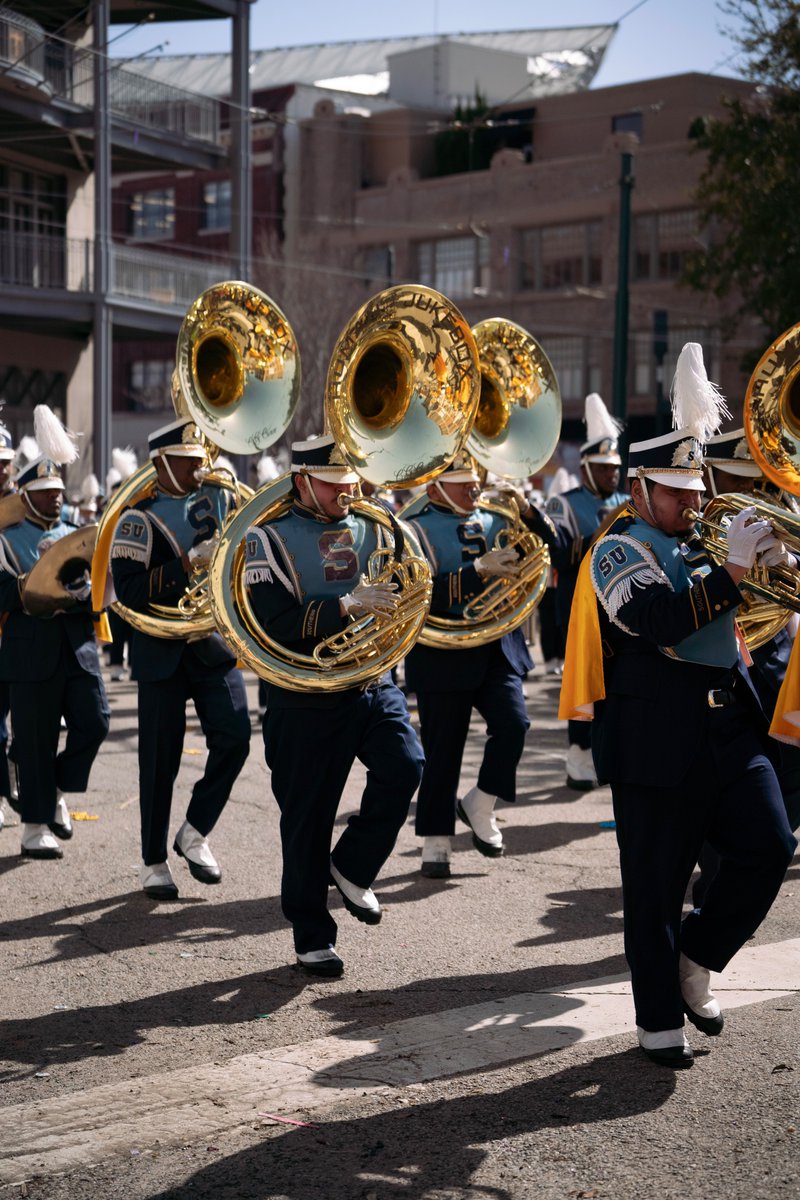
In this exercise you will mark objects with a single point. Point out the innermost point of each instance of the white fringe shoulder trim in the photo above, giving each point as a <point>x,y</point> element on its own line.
<point>641,575</point>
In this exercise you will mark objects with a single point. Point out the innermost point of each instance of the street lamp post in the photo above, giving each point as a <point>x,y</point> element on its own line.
<point>620,378</point>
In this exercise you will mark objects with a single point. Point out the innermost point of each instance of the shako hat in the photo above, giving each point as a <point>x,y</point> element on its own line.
<point>7,451</point>
<point>602,433</point>
<point>463,469</point>
<point>57,448</point>
<point>321,458</point>
<point>676,459</point>
<point>181,437</point>
<point>730,452</point>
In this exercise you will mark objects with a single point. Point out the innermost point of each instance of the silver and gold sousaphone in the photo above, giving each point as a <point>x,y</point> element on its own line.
<point>515,432</point>
<point>237,377</point>
<point>401,395</point>
<point>772,430</point>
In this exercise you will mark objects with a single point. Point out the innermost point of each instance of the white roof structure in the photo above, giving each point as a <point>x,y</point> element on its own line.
<point>559,60</point>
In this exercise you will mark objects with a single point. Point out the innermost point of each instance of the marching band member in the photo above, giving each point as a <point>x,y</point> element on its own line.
<point>123,465</point>
<point>730,467</point>
<point>158,543</point>
<point>457,536</point>
<point>7,488</point>
<point>577,514</point>
<point>679,732</point>
<point>305,573</point>
<point>51,666</point>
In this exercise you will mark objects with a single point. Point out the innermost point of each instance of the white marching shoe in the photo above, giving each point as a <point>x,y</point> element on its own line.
<point>61,824</point>
<point>38,842</point>
<point>580,769</point>
<point>699,1002</point>
<point>667,1047</point>
<point>157,882</point>
<point>436,858</point>
<point>477,811</point>
<point>194,847</point>
<point>325,963</point>
<point>361,902</point>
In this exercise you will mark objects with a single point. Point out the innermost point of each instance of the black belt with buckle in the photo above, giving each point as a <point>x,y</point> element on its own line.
<point>721,697</point>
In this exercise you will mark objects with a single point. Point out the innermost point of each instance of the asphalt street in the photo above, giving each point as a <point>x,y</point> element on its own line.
<point>480,1043</point>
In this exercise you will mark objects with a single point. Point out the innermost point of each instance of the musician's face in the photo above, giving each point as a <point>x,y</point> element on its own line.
<point>46,502</point>
<point>726,481</point>
<point>464,495</point>
<point>6,469</point>
<point>667,505</point>
<point>327,494</point>
<point>184,468</point>
<point>606,477</point>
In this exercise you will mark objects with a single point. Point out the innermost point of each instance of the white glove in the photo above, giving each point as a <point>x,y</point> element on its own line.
<point>366,597</point>
<point>773,553</point>
<point>202,553</point>
<point>80,588</point>
<point>503,563</point>
<point>747,537</point>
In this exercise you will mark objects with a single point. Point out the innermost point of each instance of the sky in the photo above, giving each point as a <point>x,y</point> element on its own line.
<point>654,38</point>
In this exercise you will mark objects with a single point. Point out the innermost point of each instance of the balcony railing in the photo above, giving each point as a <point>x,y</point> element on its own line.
<point>29,260</point>
<point>163,279</point>
<point>40,261</point>
<point>68,71</point>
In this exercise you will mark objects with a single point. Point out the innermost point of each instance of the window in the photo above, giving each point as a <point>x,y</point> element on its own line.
<point>152,214</point>
<point>150,384</point>
<point>458,267</point>
<point>217,205</point>
<point>628,123</point>
<point>561,257</point>
<point>575,361</point>
<point>644,362</point>
<point>378,264</point>
<point>662,242</point>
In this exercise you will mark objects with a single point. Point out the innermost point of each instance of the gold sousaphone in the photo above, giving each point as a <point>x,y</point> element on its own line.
<point>401,394</point>
<point>772,430</point>
<point>515,432</point>
<point>237,377</point>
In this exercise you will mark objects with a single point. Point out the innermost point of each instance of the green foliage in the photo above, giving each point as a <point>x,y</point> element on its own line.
<point>748,192</point>
<point>468,144</point>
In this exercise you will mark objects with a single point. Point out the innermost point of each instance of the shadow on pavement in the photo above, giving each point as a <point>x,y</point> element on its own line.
<point>434,1149</point>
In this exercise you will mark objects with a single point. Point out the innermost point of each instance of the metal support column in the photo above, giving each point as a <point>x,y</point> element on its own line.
<point>102,336</point>
<point>241,162</point>
<point>620,379</point>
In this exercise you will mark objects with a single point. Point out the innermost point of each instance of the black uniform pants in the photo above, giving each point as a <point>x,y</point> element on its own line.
<point>36,711</point>
<point>310,752</point>
<point>219,697</point>
<point>5,778</point>
<point>730,798</point>
<point>444,723</point>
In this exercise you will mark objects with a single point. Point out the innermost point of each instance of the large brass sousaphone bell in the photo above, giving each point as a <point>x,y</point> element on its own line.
<point>772,430</point>
<point>515,432</point>
<point>401,394</point>
<point>238,378</point>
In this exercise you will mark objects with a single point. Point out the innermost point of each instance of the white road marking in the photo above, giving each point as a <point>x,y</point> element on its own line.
<point>45,1137</point>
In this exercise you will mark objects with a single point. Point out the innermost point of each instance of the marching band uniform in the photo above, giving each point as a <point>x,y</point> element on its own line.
<point>679,734</point>
<point>305,577</point>
<point>449,683</point>
<point>577,515</point>
<point>729,467</point>
<point>7,488</point>
<point>123,465</point>
<point>155,544</point>
<point>51,666</point>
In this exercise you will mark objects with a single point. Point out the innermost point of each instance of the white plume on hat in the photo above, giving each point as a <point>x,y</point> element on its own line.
<point>90,488</point>
<point>27,451</point>
<point>560,483</point>
<point>55,442</point>
<point>698,405</point>
<point>599,421</point>
<point>266,469</point>
<point>124,461</point>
